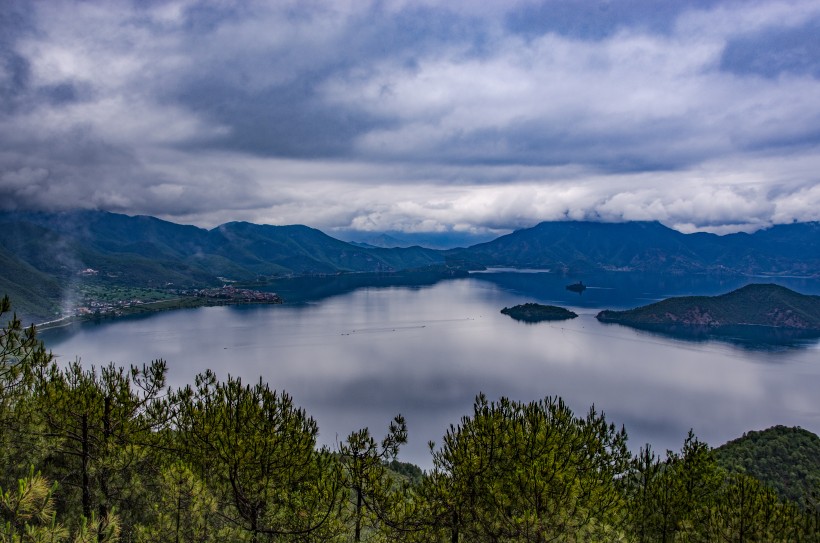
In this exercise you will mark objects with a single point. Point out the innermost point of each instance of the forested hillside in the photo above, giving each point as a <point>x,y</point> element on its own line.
<point>45,255</point>
<point>109,454</point>
<point>786,459</point>
<point>752,305</point>
<point>574,247</point>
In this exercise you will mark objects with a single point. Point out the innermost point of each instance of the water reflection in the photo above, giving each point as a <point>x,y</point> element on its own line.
<point>358,358</point>
<point>755,338</point>
<point>312,288</point>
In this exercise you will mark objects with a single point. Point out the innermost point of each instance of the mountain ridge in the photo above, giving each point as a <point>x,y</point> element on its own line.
<point>150,252</point>
<point>577,247</point>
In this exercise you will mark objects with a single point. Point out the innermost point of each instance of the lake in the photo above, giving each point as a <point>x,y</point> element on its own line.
<point>356,350</point>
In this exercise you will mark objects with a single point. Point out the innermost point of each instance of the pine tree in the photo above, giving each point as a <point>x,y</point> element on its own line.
<point>365,474</point>
<point>531,472</point>
<point>258,452</point>
<point>102,425</point>
<point>22,358</point>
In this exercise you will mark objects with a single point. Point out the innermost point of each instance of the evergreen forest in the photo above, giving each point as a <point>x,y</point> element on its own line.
<point>112,454</point>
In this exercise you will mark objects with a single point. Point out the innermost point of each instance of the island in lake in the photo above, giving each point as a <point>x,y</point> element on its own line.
<point>578,287</point>
<point>538,312</point>
<point>753,305</point>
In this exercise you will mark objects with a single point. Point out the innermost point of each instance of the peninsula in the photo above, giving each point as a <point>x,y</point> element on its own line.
<point>537,312</point>
<point>755,304</point>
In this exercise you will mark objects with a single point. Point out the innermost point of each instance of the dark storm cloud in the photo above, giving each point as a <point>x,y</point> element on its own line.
<point>414,116</point>
<point>267,88</point>
<point>776,52</point>
<point>14,21</point>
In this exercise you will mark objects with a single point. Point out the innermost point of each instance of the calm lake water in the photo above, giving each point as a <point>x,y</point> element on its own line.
<point>355,351</point>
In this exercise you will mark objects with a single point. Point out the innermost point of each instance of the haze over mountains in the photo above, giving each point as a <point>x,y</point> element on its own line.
<point>42,253</point>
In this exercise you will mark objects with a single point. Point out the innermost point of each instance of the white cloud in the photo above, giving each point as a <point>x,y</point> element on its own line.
<point>746,17</point>
<point>656,99</point>
<point>173,109</point>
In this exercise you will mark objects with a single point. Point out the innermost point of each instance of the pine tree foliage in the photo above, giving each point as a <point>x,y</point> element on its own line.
<point>184,509</point>
<point>374,493</point>
<point>102,426</point>
<point>259,453</point>
<point>22,358</point>
<point>29,516</point>
<point>530,472</point>
<point>787,459</point>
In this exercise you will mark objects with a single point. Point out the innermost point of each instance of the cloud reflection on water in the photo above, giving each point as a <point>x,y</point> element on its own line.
<point>359,358</point>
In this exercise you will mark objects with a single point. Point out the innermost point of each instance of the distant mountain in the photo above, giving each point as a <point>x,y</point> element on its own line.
<point>786,459</point>
<point>383,241</point>
<point>429,240</point>
<point>580,246</point>
<point>577,247</point>
<point>151,250</point>
<point>758,305</point>
<point>43,253</point>
<point>300,250</point>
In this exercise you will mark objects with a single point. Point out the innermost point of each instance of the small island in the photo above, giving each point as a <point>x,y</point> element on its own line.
<point>537,312</point>
<point>578,287</point>
<point>766,305</point>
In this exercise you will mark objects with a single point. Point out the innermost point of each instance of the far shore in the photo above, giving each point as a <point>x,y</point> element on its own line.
<point>183,302</point>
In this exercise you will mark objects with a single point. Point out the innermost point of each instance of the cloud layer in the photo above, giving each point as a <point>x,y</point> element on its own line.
<point>415,116</point>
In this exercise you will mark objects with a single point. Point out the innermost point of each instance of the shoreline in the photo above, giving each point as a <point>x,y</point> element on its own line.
<point>184,302</point>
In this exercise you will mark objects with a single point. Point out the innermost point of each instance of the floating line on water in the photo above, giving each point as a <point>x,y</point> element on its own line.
<point>386,329</point>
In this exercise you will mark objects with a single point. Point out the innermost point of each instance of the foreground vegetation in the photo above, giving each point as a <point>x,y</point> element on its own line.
<point>109,454</point>
<point>786,459</point>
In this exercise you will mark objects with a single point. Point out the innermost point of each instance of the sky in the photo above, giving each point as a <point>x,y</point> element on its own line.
<point>425,116</point>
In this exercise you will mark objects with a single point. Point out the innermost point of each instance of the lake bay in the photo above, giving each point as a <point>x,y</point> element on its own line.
<point>355,351</point>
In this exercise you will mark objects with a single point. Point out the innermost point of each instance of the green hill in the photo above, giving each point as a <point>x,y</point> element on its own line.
<point>34,293</point>
<point>755,304</point>
<point>786,459</point>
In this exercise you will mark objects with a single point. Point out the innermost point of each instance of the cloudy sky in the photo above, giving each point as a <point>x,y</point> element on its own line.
<point>414,116</point>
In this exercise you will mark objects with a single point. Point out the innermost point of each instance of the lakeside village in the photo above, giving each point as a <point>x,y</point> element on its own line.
<point>226,294</point>
<point>99,302</point>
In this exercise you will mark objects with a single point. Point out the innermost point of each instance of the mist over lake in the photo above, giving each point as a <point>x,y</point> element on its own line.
<point>354,351</point>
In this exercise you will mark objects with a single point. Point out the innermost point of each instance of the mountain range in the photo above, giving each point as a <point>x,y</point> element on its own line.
<point>576,247</point>
<point>41,254</point>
